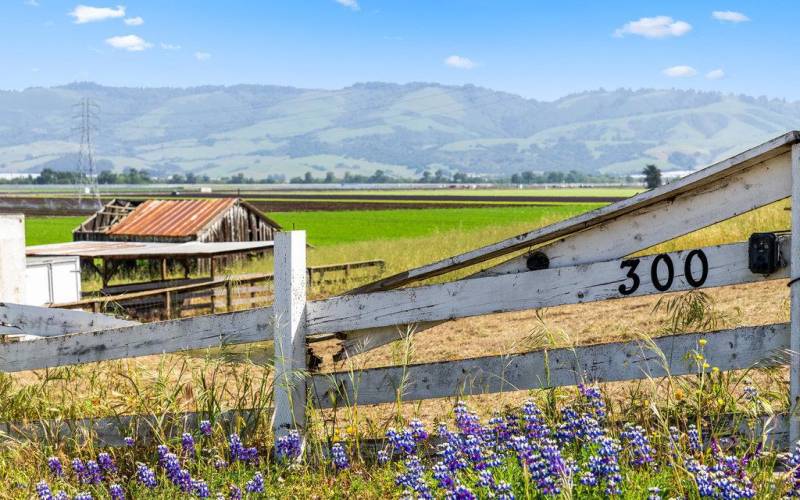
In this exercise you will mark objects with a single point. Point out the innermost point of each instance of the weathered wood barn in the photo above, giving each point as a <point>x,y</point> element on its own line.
<point>177,221</point>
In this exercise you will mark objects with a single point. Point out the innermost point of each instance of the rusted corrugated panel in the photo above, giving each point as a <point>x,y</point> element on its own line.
<point>177,218</point>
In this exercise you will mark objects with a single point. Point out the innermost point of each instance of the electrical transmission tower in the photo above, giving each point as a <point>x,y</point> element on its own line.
<point>87,117</point>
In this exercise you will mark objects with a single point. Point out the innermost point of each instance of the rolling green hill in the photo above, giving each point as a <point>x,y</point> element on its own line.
<point>261,130</point>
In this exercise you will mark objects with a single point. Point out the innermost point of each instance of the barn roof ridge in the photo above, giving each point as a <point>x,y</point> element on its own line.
<point>167,218</point>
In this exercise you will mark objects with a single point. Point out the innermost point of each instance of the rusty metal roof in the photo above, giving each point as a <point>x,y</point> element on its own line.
<point>177,218</point>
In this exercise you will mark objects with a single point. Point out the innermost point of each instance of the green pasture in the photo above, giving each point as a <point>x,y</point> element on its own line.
<point>45,230</point>
<point>331,228</point>
<point>554,192</point>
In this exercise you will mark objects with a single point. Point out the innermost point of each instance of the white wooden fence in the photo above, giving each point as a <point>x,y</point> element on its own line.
<point>583,259</point>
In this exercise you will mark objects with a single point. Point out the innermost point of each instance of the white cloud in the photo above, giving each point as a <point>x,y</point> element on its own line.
<point>654,27</point>
<point>134,21</point>
<point>715,74</point>
<point>729,16</point>
<point>680,71</point>
<point>350,4</point>
<point>86,14</point>
<point>32,3</point>
<point>169,46</point>
<point>131,43</point>
<point>202,56</point>
<point>459,62</point>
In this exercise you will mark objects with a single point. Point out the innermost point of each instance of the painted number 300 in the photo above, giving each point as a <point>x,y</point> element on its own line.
<point>662,284</point>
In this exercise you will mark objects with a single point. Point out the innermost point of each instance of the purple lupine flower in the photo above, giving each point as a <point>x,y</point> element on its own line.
<point>234,493</point>
<point>654,493</point>
<point>485,479</point>
<point>535,427</point>
<point>451,454</point>
<point>640,450</point>
<point>178,476</point>
<point>412,480</point>
<point>235,447</point>
<point>205,427</point>
<point>162,450</point>
<point>750,393</point>
<point>85,495</point>
<point>289,447</point>
<point>567,430</point>
<point>403,442</point>
<point>93,474</point>
<point>43,491</point>
<point>694,439</point>
<point>674,441</point>
<point>548,468</point>
<point>502,491</point>
<point>443,476</point>
<point>501,432</point>
<point>466,421</point>
<point>249,455</point>
<point>474,452</point>
<point>588,429</point>
<point>129,441</point>
<point>77,467</point>
<point>339,457</point>
<point>116,492</point>
<point>61,495</point>
<point>418,431</point>
<point>461,492</point>
<point>146,476</point>
<point>54,463</point>
<point>604,465</point>
<point>200,488</point>
<point>187,444</point>
<point>220,464</point>
<point>592,394</point>
<point>255,485</point>
<point>106,463</point>
<point>383,457</point>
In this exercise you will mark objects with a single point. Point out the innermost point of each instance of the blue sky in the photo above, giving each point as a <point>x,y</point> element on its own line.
<point>537,49</point>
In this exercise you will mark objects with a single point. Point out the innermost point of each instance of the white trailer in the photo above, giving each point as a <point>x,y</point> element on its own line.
<point>52,280</point>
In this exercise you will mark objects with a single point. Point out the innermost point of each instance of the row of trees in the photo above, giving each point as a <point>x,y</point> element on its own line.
<point>141,176</point>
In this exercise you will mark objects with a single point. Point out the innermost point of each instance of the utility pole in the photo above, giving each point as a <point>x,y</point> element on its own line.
<point>86,116</point>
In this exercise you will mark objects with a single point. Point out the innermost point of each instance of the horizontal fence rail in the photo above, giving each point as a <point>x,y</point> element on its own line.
<point>736,349</point>
<point>168,302</point>
<point>241,327</point>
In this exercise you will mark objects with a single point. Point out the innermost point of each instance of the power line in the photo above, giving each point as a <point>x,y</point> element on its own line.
<point>87,112</point>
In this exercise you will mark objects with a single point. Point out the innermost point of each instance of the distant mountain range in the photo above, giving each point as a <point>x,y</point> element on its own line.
<point>262,130</point>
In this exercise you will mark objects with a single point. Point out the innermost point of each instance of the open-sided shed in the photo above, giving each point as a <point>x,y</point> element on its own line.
<point>177,221</point>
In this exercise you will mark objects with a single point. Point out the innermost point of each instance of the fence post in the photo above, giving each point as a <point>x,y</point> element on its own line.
<point>794,339</point>
<point>289,311</point>
<point>228,295</point>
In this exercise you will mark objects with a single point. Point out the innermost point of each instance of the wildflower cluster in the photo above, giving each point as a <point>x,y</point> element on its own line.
<point>573,450</point>
<point>577,453</point>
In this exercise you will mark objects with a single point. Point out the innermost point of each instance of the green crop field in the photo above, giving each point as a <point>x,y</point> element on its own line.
<point>331,228</point>
<point>554,192</point>
<point>45,230</point>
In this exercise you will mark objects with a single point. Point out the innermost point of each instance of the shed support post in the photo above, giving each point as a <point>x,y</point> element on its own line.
<point>794,342</point>
<point>289,322</point>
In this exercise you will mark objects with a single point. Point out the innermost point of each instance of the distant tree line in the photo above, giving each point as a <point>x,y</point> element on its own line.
<point>440,176</point>
<point>571,177</point>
